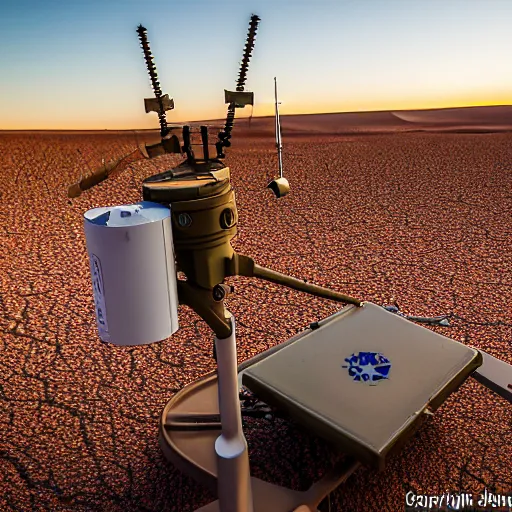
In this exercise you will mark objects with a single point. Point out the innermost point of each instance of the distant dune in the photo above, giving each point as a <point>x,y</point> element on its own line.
<point>464,119</point>
<point>332,123</point>
<point>336,123</point>
<point>479,116</point>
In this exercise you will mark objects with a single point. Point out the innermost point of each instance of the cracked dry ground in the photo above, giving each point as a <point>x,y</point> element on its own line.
<point>425,219</point>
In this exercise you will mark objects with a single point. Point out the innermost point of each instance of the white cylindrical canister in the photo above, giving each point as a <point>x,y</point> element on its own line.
<point>133,272</point>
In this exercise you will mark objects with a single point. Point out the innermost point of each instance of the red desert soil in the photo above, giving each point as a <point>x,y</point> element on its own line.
<point>424,219</point>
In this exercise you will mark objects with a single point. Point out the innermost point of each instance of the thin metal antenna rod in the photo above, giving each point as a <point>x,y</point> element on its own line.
<point>279,145</point>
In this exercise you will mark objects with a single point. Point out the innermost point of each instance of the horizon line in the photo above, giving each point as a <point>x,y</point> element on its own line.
<point>181,123</point>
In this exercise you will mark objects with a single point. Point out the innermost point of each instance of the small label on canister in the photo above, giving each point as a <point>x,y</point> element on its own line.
<point>99,294</point>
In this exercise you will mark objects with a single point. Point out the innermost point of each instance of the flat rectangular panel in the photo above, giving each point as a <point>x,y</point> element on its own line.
<point>321,382</point>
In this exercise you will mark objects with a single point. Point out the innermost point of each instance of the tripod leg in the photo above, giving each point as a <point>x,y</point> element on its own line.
<point>234,480</point>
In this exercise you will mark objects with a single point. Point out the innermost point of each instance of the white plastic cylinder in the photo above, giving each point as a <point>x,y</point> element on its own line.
<point>133,272</point>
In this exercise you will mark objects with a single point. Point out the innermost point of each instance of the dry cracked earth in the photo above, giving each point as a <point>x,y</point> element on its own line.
<point>421,219</point>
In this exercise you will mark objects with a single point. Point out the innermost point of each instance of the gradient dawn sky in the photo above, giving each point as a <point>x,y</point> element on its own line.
<point>77,64</point>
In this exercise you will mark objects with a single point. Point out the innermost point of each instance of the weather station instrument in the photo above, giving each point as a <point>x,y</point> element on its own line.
<point>348,378</point>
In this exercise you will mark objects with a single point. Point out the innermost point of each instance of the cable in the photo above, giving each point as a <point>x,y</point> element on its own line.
<point>143,37</point>
<point>225,135</point>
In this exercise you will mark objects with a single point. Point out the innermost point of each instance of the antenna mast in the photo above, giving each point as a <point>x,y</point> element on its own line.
<point>279,186</point>
<point>279,145</point>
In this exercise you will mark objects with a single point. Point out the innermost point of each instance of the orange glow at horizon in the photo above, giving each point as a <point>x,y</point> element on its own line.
<point>150,121</point>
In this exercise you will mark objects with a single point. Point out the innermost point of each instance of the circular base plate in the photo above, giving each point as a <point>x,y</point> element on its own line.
<point>189,426</point>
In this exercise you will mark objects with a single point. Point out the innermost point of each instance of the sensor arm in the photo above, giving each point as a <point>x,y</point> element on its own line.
<point>209,304</point>
<point>88,182</point>
<point>105,171</point>
<point>241,265</point>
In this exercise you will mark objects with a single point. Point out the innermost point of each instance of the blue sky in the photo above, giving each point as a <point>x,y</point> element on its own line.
<point>77,64</point>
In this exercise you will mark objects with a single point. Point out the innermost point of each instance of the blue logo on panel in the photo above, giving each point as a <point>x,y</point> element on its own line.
<point>369,367</point>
